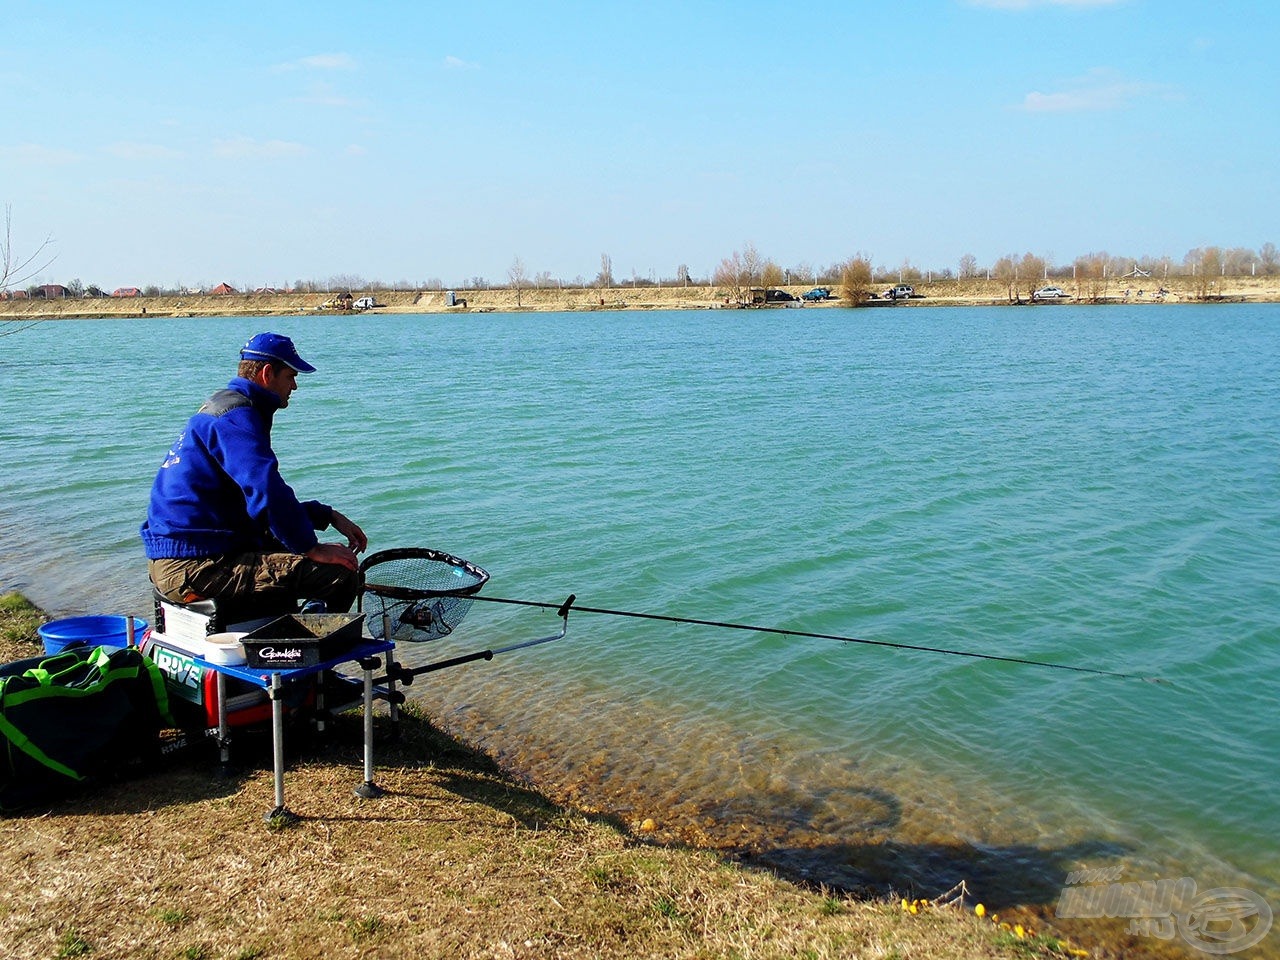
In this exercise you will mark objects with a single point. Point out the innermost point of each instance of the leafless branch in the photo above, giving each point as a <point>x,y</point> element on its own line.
<point>18,271</point>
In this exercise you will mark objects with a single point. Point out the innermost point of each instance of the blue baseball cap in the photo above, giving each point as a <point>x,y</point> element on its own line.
<point>275,346</point>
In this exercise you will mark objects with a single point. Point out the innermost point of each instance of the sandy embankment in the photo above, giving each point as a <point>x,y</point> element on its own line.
<point>936,293</point>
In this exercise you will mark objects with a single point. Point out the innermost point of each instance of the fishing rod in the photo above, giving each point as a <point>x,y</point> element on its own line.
<point>427,593</point>
<point>562,610</point>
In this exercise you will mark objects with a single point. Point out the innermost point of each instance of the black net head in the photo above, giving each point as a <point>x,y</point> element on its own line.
<point>423,594</point>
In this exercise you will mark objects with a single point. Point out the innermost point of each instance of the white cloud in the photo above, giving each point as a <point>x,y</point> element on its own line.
<point>128,150</point>
<point>39,155</point>
<point>1097,90</point>
<point>457,63</point>
<point>330,61</point>
<point>246,148</point>
<point>325,95</point>
<point>320,61</point>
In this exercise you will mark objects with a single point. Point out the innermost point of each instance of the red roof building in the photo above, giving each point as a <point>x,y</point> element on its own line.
<point>222,289</point>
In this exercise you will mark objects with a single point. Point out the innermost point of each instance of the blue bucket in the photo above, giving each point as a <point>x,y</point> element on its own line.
<point>89,631</point>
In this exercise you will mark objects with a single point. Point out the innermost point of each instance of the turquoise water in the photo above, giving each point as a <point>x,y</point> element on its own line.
<point>1087,486</point>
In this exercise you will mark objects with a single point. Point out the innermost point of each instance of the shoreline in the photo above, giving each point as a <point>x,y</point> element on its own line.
<point>183,804</point>
<point>937,293</point>
<point>479,864</point>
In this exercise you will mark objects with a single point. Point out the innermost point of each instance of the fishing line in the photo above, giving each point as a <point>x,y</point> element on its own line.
<point>562,610</point>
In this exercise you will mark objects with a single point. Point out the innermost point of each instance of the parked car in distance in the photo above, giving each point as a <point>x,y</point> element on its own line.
<point>817,293</point>
<point>1049,293</point>
<point>902,291</point>
<point>365,303</point>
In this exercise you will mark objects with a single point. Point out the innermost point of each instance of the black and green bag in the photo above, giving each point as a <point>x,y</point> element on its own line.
<point>80,715</point>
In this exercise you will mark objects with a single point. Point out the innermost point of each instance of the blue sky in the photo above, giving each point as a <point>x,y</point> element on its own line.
<point>263,143</point>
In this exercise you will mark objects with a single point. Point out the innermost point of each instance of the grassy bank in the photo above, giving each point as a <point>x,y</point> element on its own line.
<point>972,292</point>
<point>458,860</point>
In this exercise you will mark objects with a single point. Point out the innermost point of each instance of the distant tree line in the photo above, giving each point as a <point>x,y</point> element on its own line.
<point>736,274</point>
<point>744,269</point>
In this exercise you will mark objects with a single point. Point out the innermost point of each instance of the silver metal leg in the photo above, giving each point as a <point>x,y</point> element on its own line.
<point>392,699</point>
<point>280,812</point>
<point>321,714</point>
<point>224,725</point>
<point>368,790</point>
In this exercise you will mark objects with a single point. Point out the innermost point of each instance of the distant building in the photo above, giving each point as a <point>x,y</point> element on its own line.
<point>126,292</point>
<point>222,290</point>
<point>52,291</point>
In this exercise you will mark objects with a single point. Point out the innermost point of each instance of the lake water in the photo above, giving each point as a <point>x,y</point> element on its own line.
<point>1087,486</point>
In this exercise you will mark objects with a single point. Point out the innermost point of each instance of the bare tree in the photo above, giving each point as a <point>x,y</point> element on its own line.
<point>968,266</point>
<point>1091,276</point>
<point>1032,271</point>
<point>605,277</point>
<point>339,281</point>
<point>1238,261</point>
<point>729,274</point>
<point>855,279</point>
<point>518,277</point>
<point>802,273</point>
<point>1006,271</point>
<point>739,272</point>
<point>752,264</point>
<point>1269,258</point>
<point>15,269</point>
<point>1205,265</point>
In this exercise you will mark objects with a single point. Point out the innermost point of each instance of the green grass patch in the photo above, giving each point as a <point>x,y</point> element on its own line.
<point>171,917</point>
<point>19,620</point>
<point>365,928</point>
<point>72,945</point>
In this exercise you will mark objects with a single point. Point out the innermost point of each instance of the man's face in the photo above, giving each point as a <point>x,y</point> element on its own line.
<point>281,381</point>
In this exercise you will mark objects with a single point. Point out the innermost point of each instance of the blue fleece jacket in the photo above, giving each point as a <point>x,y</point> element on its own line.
<point>220,491</point>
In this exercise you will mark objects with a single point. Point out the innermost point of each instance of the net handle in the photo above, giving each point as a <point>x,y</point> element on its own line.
<point>481,577</point>
<point>415,593</point>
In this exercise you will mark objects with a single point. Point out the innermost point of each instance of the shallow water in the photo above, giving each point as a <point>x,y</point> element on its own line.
<point>1094,487</point>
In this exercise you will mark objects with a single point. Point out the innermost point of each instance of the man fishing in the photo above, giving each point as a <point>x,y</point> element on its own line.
<point>222,524</point>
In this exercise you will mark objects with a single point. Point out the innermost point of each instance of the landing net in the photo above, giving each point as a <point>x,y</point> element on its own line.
<point>424,593</point>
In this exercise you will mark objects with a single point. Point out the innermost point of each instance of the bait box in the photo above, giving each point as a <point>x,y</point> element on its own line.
<point>301,640</point>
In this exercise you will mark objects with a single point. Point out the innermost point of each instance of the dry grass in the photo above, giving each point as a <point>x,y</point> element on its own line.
<point>456,860</point>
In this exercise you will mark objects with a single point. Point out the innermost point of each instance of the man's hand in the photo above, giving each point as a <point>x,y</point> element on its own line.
<point>334,553</point>
<point>356,539</point>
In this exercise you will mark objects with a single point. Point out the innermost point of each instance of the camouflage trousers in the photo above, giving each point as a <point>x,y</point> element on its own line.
<point>248,578</point>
